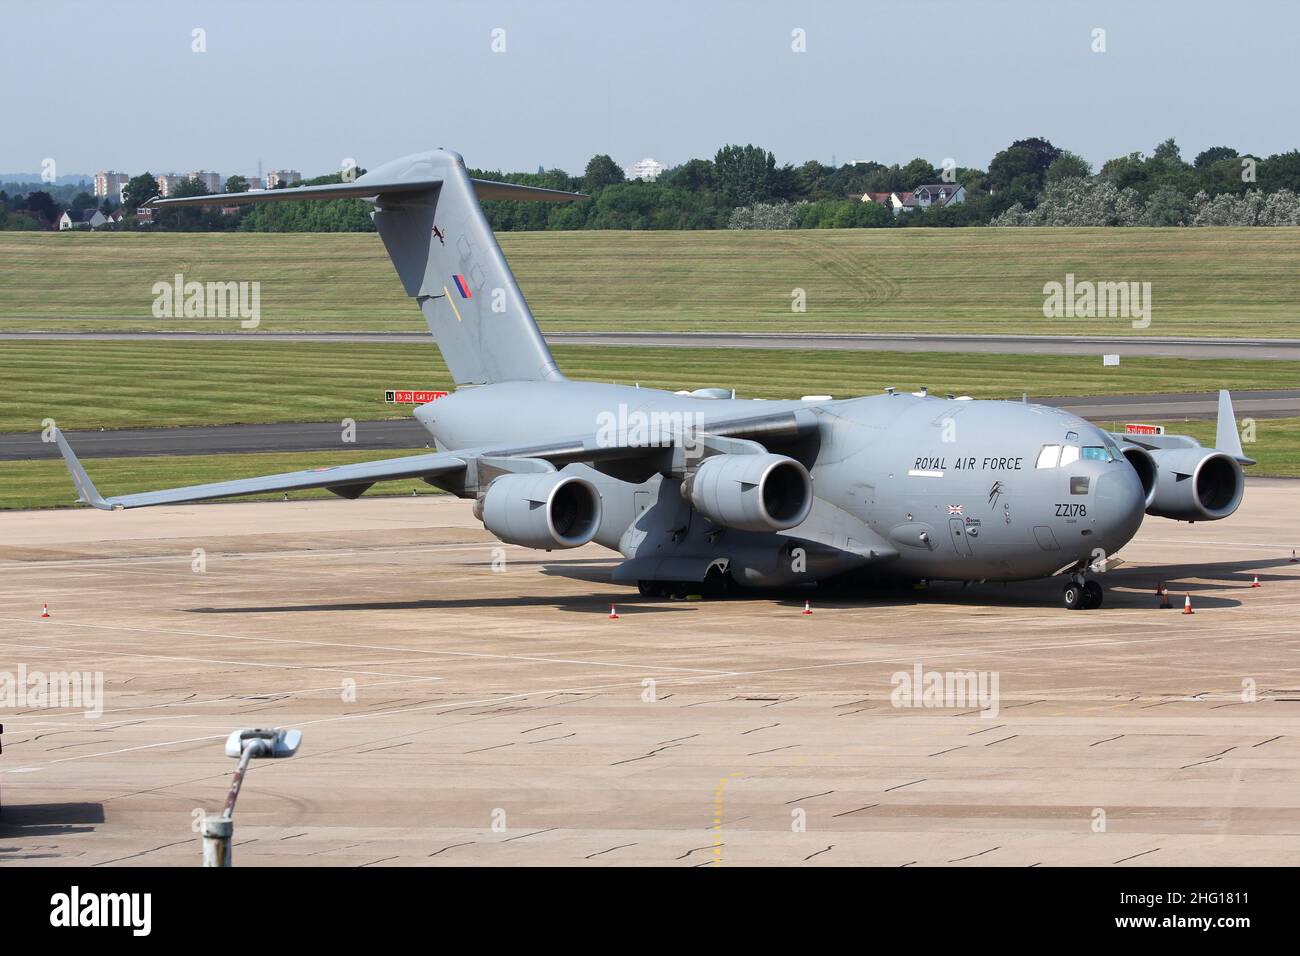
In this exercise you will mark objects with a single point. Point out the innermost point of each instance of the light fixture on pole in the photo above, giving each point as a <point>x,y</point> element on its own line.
<point>244,744</point>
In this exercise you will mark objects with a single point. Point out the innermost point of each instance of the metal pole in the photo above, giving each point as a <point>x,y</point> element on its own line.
<point>238,781</point>
<point>218,831</point>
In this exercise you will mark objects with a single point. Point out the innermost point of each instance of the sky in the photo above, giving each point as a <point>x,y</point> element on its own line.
<point>308,85</point>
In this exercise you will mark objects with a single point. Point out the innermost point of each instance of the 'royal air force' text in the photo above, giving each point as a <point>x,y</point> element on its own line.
<point>969,464</point>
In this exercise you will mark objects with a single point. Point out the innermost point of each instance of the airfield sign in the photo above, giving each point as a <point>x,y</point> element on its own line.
<point>1137,428</point>
<point>406,396</point>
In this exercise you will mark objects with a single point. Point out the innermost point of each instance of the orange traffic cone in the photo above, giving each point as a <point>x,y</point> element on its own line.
<point>1255,583</point>
<point>613,615</point>
<point>807,607</point>
<point>45,610</point>
<point>1187,604</point>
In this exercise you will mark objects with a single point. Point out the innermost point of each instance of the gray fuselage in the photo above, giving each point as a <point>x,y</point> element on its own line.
<point>959,489</point>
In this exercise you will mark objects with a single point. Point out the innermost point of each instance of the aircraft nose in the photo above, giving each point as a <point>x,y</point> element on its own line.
<point>1120,504</point>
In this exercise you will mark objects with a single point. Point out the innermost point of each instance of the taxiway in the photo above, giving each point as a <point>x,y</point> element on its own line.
<point>457,714</point>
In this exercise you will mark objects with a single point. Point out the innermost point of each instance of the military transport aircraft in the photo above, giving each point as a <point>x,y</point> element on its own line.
<point>702,491</point>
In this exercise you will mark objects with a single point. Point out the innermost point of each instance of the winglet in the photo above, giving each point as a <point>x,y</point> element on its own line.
<point>86,490</point>
<point>1226,437</point>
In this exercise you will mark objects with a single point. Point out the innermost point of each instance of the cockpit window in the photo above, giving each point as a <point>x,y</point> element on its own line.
<point>1058,456</point>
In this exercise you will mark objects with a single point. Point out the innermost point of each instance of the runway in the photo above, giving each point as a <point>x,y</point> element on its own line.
<point>406,433</point>
<point>1159,346</point>
<point>459,710</point>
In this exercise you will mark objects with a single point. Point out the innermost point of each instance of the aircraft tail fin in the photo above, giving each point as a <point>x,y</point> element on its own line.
<point>428,215</point>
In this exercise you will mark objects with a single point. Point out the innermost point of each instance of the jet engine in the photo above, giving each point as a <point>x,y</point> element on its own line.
<point>1145,466</point>
<point>751,492</point>
<point>541,510</point>
<point>1195,484</point>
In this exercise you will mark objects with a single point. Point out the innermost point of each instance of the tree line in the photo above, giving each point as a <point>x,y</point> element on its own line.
<point>1030,183</point>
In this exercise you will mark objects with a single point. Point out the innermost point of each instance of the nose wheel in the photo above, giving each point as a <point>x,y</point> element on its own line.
<point>1082,596</point>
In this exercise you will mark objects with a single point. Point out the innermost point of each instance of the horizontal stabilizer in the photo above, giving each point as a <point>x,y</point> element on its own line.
<point>361,189</point>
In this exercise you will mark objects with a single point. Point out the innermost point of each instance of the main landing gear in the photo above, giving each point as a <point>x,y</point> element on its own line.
<point>1082,595</point>
<point>717,583</point>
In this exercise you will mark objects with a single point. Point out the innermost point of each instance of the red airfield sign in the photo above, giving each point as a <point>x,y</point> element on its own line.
<point>407,396</point>
<point>1137,428</point>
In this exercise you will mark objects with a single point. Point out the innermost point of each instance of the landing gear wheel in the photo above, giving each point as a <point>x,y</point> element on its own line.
<point>650,588</point>
<point>1073,596</point>
<point>717,582</point>
<point>1092,595</point>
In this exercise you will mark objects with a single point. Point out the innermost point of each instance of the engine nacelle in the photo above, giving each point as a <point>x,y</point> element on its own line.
<point>1146,469</point>
<point>541,510</point>
<point>751,492</point>
<point>1195,484</point>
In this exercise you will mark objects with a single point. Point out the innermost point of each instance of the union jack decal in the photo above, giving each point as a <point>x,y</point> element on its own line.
<point>954,509</point>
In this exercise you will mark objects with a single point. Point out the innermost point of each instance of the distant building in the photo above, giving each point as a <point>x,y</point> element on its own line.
<point>211,181</point>
<point>895,202</point>
<point>109,184</point>
<point>85,217</point>
<point>940,194</point>
<point>922,197</point>
<point>167,184</point>
<point>255,182</point>
<point>276,177</point>
<point>647,169</point>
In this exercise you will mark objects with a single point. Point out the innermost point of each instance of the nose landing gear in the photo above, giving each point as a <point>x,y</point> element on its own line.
<point>1082,595</point>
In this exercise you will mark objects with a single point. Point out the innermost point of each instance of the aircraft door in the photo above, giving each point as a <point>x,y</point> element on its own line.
<point>641,503</point>
<point>960,539</point>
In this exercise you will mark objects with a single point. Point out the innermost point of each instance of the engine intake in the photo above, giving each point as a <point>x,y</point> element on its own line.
<point>751,492</point>
<point>548,510</point>
<point>1195,484</point>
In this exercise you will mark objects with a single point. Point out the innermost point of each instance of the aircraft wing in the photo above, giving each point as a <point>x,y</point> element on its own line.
<point>1227,438</point>
<point>350,481</point>
<point>346,480</point>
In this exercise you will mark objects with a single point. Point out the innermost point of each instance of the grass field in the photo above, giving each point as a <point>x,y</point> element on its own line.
<point>45,484</point>
<point>159,383</point>
<point>1234,282</point>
